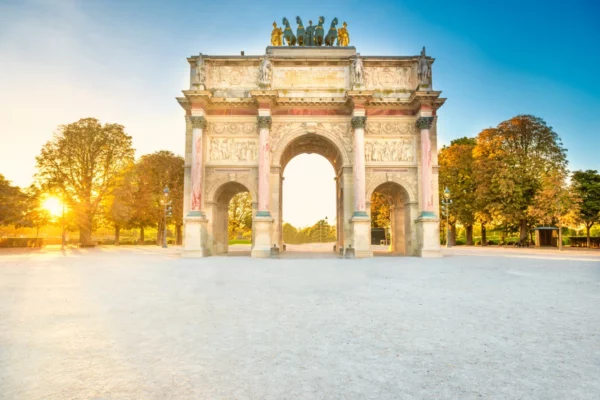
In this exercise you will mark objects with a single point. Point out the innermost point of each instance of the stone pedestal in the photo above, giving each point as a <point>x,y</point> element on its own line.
<point>428,233</point>
<point>262,226</point>
<point>195,233</point>
<point>361,227</point>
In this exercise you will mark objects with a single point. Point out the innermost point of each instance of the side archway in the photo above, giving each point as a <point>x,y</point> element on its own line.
<point>217,207</point>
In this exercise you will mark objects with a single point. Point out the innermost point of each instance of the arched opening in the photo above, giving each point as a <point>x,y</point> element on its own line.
<point>311,196</point>
<point>232,219</point>
<point>390,219</point>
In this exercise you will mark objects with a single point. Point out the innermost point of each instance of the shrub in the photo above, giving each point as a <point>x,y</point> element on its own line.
<point>478,243</point>
<point>460,242</point>
<point>22,242</point>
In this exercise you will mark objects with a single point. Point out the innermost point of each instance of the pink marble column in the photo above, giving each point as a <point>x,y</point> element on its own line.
<point>264,167</point>
<point>198,125</point>
<point>427,209</point>
<point>358,124</point>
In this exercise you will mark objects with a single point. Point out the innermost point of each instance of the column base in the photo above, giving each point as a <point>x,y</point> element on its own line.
<point>195,233</point>
<point>361,227</point>
<point>428,235</point>
<point>262,226</point>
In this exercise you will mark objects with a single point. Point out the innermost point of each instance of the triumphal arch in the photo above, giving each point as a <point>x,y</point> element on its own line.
<point>373,117</point>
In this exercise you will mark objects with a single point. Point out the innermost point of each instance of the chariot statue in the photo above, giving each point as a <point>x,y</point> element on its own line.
<point>319,32</point>
<point>288,34</point>
<point>309,37</point>
<point>276,36</point>
<point>343,36</point>
<point>332,34</point>
<point>300,33</point>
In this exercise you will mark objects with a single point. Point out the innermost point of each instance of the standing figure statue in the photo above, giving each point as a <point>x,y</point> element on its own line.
<point>300,33</point>
<point>276,36</point>
<point>265,73</point>
<point>359,72</point>
<point>309,35</point>
<point>332,34</point>
<point>343,36</point>
<point>424,69</point>
<point>199,74</point>
<point>288,34</point>
<point>319,32</point>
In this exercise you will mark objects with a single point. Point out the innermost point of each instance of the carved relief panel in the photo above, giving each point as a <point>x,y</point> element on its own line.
<point>231,128</point>
<point>224,77</point>
<point>401,150</point>
<point>227,149</point>
<point>311,77</point>
<point>392,78</point>
<point>390,128</point>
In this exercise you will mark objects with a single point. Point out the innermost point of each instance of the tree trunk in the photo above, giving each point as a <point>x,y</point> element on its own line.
<point>178,234</point>
<point>587,230</point>
<point>469,234</point>
<point>483,235</point>
<point>142,235</point>
<point>117,234</point>
<point>503,238</point>
<point>523,229</point>
<point>453,235</point>
<point>85,230</point>
<point>159,233</point>
<point>37,231</point>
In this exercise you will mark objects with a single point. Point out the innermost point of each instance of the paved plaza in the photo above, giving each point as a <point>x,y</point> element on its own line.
<point>143,323</point>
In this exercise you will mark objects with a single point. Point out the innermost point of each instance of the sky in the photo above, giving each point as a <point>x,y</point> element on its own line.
<point>124,61</point>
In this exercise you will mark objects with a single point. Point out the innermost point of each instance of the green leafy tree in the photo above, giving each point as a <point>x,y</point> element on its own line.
<point>456,173</point>
<point>83,161</point>
<point>154,172</point>
<point>120,206</point>
<point>240,215</point>
<point>380,211</point>
<point>13,204</point>
<point>586,187</point>
<point>511,163</point>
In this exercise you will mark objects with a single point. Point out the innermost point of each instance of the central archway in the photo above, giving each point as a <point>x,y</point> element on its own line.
<point>314,143</point>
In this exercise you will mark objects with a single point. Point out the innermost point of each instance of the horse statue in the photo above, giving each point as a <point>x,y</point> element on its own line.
<point>288,35</point>
<point>332,34</point>
<point>319,32</point>
<point>301,33</point>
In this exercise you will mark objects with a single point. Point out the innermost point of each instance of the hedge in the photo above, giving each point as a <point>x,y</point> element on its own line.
<point>22,242</point>
<point>581,241</point>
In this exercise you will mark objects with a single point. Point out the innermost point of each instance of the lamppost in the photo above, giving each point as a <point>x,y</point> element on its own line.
<point>446,201</point>
<point>166,209</point>
<point>321,229</point>
<point>62,225</point>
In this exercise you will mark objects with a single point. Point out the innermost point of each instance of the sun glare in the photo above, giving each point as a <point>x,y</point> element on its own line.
<point>53,205</point>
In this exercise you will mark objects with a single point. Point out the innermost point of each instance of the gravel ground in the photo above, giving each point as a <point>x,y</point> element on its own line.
<point>145,324</point>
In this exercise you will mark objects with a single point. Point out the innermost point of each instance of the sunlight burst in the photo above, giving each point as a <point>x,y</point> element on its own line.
<point>53,205</point>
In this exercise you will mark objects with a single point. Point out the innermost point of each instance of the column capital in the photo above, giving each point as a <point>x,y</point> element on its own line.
<point>198,121</point>
<point>424,122</point>
<point>358,122</point>
<point>264,122</point>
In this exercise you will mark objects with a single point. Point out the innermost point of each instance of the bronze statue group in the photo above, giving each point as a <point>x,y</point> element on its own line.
<point>311,35</point>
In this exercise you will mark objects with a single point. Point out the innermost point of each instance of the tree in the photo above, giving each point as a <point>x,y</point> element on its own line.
<point>154,172</point>
<point>119,205</point>
<point>13,204</point>
<point>240,214</point>
<point>380,211</point>
<point>586,186</point>
<point>511,163</point>
<point>456,173</point>
<point>83,161</point>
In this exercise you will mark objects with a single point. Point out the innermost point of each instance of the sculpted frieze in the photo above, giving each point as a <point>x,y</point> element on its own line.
<point>398,78</point>
<point>231,128</point>
<point>224,76</point>
<point>390,151</point>
<point>281,130</point>
<point>341,130</point>
<point>230,149</point>
<point>389,128</point>
<point>311,77</point>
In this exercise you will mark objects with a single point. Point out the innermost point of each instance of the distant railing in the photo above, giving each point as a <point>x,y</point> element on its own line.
<point>581,241</point>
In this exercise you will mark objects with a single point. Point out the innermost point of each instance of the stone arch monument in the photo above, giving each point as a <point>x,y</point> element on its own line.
<point>373,117</point>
